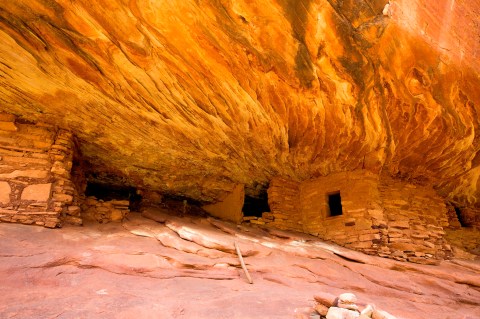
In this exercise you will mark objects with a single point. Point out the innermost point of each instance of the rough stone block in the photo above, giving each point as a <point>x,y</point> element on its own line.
<point>363,223</point>
<point>5,191</point>
<point>368,237</point>
<point>73,220</point>
<point>63,198</point>
<point>321,309</point>
<point>26,160</point>
<point>116,215</point>
<point>120,202</point>
<point>37,192</point>
<point>402,224</point>
<point>230,207</point>
<point>25,173</point>
<point>325,299</point>
<point>8,126</point>
<point>42,144</point>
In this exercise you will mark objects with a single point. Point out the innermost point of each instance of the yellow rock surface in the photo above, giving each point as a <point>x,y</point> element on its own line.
<point>193,97</point>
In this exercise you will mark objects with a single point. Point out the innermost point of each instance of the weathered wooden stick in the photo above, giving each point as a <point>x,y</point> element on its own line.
<point>239,253</point>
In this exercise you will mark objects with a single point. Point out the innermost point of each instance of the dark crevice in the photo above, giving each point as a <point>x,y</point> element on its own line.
<point>348,258</point>
<point>460,218</point>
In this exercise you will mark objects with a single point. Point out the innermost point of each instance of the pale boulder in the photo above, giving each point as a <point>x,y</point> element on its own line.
<point>341,313</point>
<point>368,311</point>
<point>347,301</point>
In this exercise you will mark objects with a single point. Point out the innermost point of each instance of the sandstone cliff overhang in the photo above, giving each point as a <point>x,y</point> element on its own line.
<point>195,97</point>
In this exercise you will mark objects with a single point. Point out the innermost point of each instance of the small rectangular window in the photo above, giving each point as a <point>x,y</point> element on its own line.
<point>334,204</point>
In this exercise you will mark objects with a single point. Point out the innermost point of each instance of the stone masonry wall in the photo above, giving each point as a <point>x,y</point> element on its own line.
<point>382,216</point>
<point>34,172</point>
<point>94,209</point>
<point>65,194</point>
<point>359,225</point>
<point>283,199</point>
<point>416,216</point>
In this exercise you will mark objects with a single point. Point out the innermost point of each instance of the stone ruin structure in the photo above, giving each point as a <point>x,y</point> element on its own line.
<point>36,186</point>
<point>361,210</point>
<point>378,215</point>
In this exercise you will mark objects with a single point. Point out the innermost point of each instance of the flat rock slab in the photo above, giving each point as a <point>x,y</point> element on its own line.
<point>37,192</point>
<point>122,270</point>
<point>5,191</point>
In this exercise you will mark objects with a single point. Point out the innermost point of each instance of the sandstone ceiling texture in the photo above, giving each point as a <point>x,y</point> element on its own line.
<point>192,96</point>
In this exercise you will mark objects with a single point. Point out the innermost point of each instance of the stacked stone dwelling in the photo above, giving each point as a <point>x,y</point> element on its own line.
<point>364,211</point>
<point>36,186</point>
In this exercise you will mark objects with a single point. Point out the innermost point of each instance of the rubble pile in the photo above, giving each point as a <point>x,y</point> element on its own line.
<point>345,307</point>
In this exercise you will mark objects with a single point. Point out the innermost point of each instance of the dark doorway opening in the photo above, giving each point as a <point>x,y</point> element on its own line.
<point>335,204</point>
<point>255,206</point>
<point>108,192</point>
<point>458,211</point>
<point>183,205</point>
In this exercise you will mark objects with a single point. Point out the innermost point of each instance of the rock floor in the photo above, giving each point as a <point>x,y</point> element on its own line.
<point>187,268</point>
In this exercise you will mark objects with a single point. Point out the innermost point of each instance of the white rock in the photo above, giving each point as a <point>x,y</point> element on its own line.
<point>340,313</point>
<point>347,301</point>
<point>350,306</point>
<point>380,314</point>
<point>368,311</point>
<point>347,297</point>
<point>386,10</point>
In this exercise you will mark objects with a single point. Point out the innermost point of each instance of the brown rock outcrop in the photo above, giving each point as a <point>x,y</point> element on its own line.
<point>194,97</point>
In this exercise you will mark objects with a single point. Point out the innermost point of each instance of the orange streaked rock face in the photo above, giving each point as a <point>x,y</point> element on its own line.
<point>194,97</point>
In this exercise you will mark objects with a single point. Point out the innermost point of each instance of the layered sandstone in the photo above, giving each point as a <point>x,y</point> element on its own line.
<point>194,97</point>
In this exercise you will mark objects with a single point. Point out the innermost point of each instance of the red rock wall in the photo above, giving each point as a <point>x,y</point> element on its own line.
<point>451,26</point>
<point>35,164</point>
